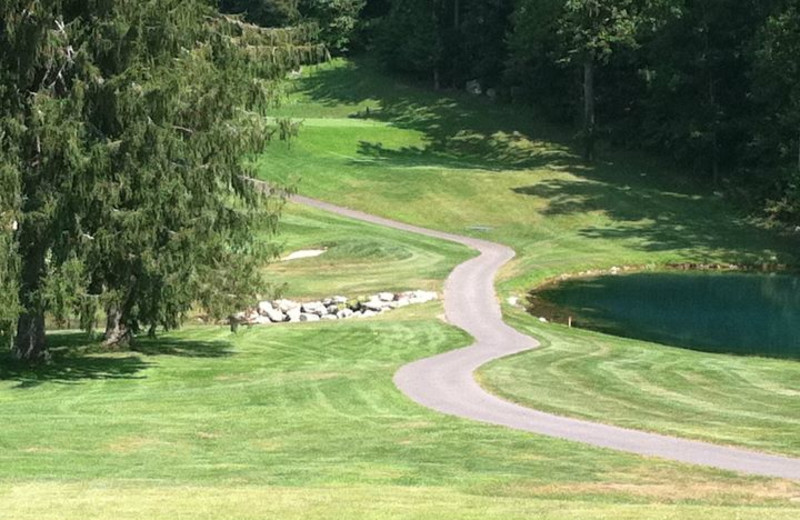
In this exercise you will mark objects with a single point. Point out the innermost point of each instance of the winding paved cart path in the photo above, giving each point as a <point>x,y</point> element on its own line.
<point>446,383</point>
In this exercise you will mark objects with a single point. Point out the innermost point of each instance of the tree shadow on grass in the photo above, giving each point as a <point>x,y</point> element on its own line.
<point>459,131</point>
<point>497,152</point>
<point>651,207</point>
<point>75,359</point>
<point>72,361</point>
<point>657,219</point>
<point>182,348</point>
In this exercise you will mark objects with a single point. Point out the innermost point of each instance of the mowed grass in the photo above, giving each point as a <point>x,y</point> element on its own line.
<point>452,162</point>
<point>359,259</point>
<point>733,400</point>
<point>303,421</point>
<point>457,163</point>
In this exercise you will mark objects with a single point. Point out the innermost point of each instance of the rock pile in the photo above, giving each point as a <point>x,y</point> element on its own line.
<point>333,308</point>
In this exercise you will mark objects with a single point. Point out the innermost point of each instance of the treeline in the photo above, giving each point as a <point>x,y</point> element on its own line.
<point>334,22</point>
<point>123,189</point>
<point>712,84</point>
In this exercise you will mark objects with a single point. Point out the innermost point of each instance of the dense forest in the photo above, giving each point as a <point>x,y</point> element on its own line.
<point>713,85</point>
<point>123,124</point>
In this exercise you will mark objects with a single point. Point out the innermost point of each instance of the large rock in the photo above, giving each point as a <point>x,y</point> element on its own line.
<point>474,87</point>
<point>339,300</point>
<point>343,314</point>
<point>386,296</point>
<point>375,305</point>
<point>286,305</point>
<point>294,314</point>
<point>422,296</point>
<point>264,307</point>
<point>332,309</point>
<point>309,317</point>
<point>261,320</point>
<point>275,316</point>
<point>400,302</point>
<point>314,308</point>
<point>329,317</point>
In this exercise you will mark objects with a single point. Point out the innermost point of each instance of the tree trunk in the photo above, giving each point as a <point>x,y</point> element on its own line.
<point>798,152</point>
<point>588,110</point>
<point>117,334</point>
<point>712,97</point>
<point>30,343</point>
<point>456,13</point>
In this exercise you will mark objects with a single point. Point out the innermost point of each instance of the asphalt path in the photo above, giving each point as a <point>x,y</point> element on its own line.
<point>445,382</point>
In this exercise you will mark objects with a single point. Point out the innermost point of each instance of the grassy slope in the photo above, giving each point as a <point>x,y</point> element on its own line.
<point>719,398</point>
<point>360,259</point>
<point>304,422</point>
<point>452,162</point>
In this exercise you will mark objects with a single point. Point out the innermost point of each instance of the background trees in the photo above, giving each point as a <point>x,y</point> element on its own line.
<point>712,84</point>
<point>334,21</point>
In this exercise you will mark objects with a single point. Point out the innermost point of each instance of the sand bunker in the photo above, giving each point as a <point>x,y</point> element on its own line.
<point>303,253</point>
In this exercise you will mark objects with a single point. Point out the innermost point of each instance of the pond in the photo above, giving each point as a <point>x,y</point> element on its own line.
<point>738,313</point>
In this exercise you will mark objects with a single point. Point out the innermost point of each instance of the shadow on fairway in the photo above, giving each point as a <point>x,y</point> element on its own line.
<point>74,359</point>
<point>652,207</point>
<point>68,368</point>
<point>459,131</point>
<point>182,348</point>
<point>655,219</point>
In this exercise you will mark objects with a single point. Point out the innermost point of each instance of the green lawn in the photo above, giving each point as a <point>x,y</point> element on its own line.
<point>303,421</point>
<point>360,259</point>
<point>744,401</point>
<point>453,162</point>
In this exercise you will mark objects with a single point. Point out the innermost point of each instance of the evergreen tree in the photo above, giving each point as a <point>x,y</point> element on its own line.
<point>9,213</point>
<point>266,13</point>
<point>336,19</point>
<point>129,122</point>
<point>409,40</point>
<point>777,78</point>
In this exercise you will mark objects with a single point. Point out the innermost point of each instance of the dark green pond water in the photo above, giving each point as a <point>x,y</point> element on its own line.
<point>748,314</point>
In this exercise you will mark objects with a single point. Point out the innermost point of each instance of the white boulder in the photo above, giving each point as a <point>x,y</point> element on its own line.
<point>264,307</point>
<point>343,314</point>
<point>261,320</point>
<point>314,308</point>
<point>375,305</point>
<point>275,316</point>
<point>422,296</point>
<point>474,87</point>
<point>286,305</point>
